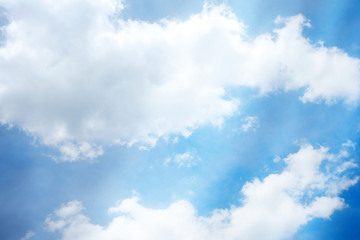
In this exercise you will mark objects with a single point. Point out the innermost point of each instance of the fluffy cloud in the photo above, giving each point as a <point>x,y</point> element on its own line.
<point>272,208</point>
<point>75,72</point>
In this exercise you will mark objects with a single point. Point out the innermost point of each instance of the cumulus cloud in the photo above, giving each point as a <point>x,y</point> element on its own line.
<point>272,208</point>
<point>186,159</point>
<point>75,71</point>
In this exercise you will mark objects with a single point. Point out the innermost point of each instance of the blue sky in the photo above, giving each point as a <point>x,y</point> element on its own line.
<point>179,119</point>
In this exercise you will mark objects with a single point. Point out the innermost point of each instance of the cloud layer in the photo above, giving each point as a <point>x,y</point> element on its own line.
<point>75,74</point>
<point>272,208</point>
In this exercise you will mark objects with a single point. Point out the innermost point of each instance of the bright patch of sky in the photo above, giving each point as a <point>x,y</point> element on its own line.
<point>179,120</point>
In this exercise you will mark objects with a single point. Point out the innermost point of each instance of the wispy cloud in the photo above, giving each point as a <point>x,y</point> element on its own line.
<point>350,144</point>
<point>251,123</point>
<point>187,159</point>
<point>28,235</point>
<point>71,152</point>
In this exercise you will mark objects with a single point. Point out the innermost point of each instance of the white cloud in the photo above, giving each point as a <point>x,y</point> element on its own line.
<point>251,124</point>
<point>349,144</point>
<point>70,73</point>
<point>279,205</point>
<point>28,235</point>
<point>67,211</point>
<point>71,152</point>
<point>186,159</point>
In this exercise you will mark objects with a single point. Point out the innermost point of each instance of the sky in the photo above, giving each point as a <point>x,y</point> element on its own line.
<point>179,119</point>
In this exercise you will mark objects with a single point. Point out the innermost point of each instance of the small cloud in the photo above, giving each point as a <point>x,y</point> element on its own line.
<point>277,159</point>
<point>349,144</point>
<point>71,152</point>
<point>144,148</point>
<point>251,124</point>
<point>28,235</point>
<point>186,159</point>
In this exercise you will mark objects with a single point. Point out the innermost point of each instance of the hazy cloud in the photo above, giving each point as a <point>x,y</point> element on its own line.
<point>187,159</point>
<point>251,123</point>
<point>28,235</point>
